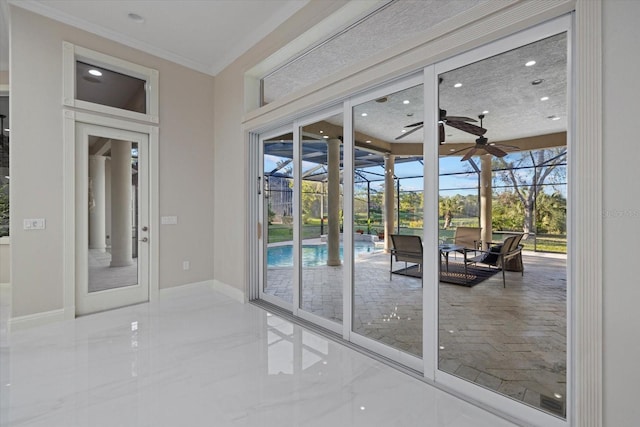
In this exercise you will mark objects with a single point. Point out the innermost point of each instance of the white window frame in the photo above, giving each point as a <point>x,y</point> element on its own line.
<point>72,53</point>
<point>511,407</point>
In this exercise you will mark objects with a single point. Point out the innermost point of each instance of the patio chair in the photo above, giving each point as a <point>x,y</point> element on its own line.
<point>406,249</point>
<point>501,254</point>
<point>468,237</point>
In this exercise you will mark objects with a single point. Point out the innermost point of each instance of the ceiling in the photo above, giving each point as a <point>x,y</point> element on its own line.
<point>501,85</point>
<point>205,35</point>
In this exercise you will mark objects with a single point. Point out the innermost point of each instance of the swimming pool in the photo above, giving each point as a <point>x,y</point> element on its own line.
<point>312,255</point>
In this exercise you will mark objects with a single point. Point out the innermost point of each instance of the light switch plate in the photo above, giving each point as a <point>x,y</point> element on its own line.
<point>34,224</point>
<point>169,220</point>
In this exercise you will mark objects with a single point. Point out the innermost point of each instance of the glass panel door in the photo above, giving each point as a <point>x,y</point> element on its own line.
<point>503,224</point>
<point>112,218</point>
<point>321,215</point>
<point>277,211</point>
<point>387,206</point>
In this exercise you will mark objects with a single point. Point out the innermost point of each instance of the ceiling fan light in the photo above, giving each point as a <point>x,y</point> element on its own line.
<point>406,101</point>
<point>457,85</point>
<point>95,72</point>
<point>530,63</point>
<point>544,98</point>
<point>485,112</point>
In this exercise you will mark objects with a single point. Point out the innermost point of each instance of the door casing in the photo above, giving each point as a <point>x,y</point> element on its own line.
<point>70,251</point>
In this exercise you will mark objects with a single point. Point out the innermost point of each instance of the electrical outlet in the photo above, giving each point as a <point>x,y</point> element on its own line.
<point>186,265</point>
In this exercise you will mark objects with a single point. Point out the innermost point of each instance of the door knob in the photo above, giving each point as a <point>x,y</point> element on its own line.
<point>145,228</point>
<point>144,239</point>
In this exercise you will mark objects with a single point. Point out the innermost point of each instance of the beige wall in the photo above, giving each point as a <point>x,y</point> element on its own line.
<point>186,161</point>
<point>230,147</point>
<point>4,77</point>
<point>621,223</point>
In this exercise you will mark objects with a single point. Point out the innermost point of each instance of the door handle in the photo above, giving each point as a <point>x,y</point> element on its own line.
<point>145,228</point>
<point>144,239</point>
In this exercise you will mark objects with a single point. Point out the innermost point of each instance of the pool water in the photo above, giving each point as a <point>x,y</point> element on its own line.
<point>312,255</point>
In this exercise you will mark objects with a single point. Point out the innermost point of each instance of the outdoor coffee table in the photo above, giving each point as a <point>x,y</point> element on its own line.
<point>446,249</point>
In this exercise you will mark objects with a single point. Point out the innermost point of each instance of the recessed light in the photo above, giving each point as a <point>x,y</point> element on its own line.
<point>95,72</point>
<point>368,141</point>
<point>441,347</point>
<point>452,149</point>
<point>553,117</point>
<point>7,130</point>
<point>406,101</point>
<point>536,82</point>
<point>403,130</point>
<point>485,112</point>
<point>321,131</point>
<point>409,114</point>
<point>136,18</point>
<point>383,99</point>
<point>326,137</point>
<point>530,63</point>
<point>544,98</point>
<point>457,85</point>
<point>557,395</point>
<point>364,114</point>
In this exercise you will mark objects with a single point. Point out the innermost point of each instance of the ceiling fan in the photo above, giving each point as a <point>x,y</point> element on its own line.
<point>457,122</point>
<point>482,144</point>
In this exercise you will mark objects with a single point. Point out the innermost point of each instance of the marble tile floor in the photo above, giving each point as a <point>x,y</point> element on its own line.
<point>511,339</point>
<point>197,358</point>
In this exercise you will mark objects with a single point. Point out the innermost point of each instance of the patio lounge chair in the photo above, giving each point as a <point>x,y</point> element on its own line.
<point>468,237</point>
<point>406,249</point>
<point>500,255</point>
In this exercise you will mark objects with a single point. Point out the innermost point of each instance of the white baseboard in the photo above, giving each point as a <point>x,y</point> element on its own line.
<point>36,319</point>
<point>218,286</point>
<point>228,290</point>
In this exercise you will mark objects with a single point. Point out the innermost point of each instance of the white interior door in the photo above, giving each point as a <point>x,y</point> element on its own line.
<point>112,218</point>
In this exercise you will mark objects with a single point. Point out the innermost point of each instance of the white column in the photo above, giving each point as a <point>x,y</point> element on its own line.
<point>485,200</point>
<point>333,190</point>
<point>389,200</point>
<point>121,235</point>
<point>107,201</point>
<point>97,206</point>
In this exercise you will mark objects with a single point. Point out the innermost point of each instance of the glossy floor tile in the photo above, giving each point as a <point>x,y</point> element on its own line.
<point>198,358</point>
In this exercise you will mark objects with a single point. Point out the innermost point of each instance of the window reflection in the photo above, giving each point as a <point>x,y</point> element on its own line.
<point>508,181</point>
<point>387,201</point>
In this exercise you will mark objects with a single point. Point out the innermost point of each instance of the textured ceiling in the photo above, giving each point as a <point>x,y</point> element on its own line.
<point>500,85</point>
<point>206,35</point>
<point>393,23</point>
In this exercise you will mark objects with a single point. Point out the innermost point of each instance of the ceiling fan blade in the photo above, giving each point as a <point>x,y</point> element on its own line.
<point>459,119</point>
<point>469,128</point>
<point>441,132</point>
<point>508,147</point>
<point>453,153</point>
<point>414,124</point>
<point>469,154</point>
<point>409,132</point>
<point>492,149</point>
